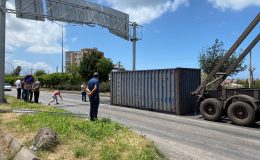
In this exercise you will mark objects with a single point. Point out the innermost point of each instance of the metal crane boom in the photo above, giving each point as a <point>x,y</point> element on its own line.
<point>200,90</point>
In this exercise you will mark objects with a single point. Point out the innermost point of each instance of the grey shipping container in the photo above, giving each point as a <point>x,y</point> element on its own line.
<point>166,90</point>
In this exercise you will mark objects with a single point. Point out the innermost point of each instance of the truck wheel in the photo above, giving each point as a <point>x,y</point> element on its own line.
<point>241,113</point>
<point>257,118</point>
<point>211,109</point>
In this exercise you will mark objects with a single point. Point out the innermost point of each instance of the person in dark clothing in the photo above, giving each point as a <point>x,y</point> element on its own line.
<point>24,95</point>
<point>30,94</point>
<point>93,94</point>
<point>36,91</point>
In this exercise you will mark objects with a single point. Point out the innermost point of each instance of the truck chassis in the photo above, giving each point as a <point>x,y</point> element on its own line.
<point>241,105</point>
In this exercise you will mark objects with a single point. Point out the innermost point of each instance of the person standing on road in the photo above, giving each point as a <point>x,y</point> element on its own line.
<point>36,91</point>
<point>18,84</point>
<point>24,95</point>
<point>83,91</point>
<point>93,94</point>
<point>54,97</point>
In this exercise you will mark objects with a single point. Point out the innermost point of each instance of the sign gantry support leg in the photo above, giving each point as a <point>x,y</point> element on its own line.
<point>134,38</point>
<point>134,45</point>
<point>2,50</point>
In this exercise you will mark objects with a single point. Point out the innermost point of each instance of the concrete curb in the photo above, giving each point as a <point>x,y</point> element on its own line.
<point>5,110</point>
<point>25,154</point>
<point>21,152</point>
<point>2,156</point>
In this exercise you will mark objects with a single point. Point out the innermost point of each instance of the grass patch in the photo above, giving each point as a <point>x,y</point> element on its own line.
<point>78,138</point>
<point>14,103</point>
<point>82,151</point>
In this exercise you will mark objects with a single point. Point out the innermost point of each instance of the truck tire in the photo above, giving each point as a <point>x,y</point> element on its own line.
<point>211,109</point>
<point>241,113</point>
<point>257,118</point>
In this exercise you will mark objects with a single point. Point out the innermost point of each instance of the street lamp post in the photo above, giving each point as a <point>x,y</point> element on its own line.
<point>2,51</point>
<point>62,42</point>
<point>62,28</point>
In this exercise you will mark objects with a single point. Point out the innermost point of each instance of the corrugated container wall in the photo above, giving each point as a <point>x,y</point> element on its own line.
<point>167,90</point>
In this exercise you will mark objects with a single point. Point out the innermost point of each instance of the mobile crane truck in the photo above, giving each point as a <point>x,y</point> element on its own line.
<point>241,105</point>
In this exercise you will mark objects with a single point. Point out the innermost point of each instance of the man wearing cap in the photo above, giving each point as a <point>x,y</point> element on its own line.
<point>93,94</point>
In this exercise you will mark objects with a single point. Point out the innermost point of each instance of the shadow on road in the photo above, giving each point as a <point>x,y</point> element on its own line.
<point>225,120</point>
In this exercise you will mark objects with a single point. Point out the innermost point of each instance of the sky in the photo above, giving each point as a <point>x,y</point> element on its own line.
<point>173,35</point>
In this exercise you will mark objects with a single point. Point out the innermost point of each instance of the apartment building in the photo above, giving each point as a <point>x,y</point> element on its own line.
<point>74,57</point>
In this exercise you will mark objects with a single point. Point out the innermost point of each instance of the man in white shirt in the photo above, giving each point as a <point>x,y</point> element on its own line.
<point>18,84</point>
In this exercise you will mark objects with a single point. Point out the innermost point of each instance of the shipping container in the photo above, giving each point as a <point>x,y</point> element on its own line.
<point>166,90</point>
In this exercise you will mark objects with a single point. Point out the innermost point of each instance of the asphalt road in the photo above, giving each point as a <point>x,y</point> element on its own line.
<point>188,137</point>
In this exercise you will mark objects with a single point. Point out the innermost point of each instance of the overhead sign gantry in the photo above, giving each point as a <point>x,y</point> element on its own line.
<point>70,11</point>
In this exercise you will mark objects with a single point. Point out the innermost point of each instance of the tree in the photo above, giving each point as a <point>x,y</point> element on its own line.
<point>40,72</point>
<point>88,65</point>
<point>17,70</point>
<point>211,56</point>
<point>104,67</point>
<point>73,69</point>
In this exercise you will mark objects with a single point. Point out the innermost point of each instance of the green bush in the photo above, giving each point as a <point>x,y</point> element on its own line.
<point>104,87</point>
<point>256,83</point>
<point>68,87</point>
<point>11,79</point>
<point>66,81</point>
<point>244,82</point>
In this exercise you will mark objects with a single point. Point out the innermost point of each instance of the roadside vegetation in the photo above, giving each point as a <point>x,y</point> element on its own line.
<point>74,75</point>
<point>78,138</point>
<point>210,56</point>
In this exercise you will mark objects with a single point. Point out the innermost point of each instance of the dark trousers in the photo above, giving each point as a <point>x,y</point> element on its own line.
<point>30,94</point>
<point>24,95</point>
<point>83,95</point>
<point>19,93</point>
<point>36,96</point>
<point>94,103</point>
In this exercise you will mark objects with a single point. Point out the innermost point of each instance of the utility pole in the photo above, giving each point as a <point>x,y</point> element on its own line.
<point>62,50</point>
<point>134,39</point>
<point>2,50</point>
<point>62,43</point>
<point>251,71</point>
<point>30,71</point>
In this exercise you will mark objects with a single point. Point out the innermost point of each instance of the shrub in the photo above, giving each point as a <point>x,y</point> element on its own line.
<point>104,87</point>
<point>11,79</point>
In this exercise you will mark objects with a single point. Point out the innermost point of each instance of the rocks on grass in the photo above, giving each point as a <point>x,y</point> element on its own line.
<point>45,139</point>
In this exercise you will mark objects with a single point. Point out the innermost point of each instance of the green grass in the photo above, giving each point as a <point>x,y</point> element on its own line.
<point>83,139</point>
<point>14,103</point>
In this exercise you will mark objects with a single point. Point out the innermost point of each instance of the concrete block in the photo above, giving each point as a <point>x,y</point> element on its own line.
<point>2,156</point>
<point>25,154</point>
<point>2,134</point>
<point>8,139</point>
<point>15,146</point>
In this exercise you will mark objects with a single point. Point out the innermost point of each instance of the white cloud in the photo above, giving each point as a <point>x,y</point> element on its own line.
<point>34,36</point>
<point>74,39</point>
<point>145,11</point>
<point>28,65</point>
<point>234,4</point>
